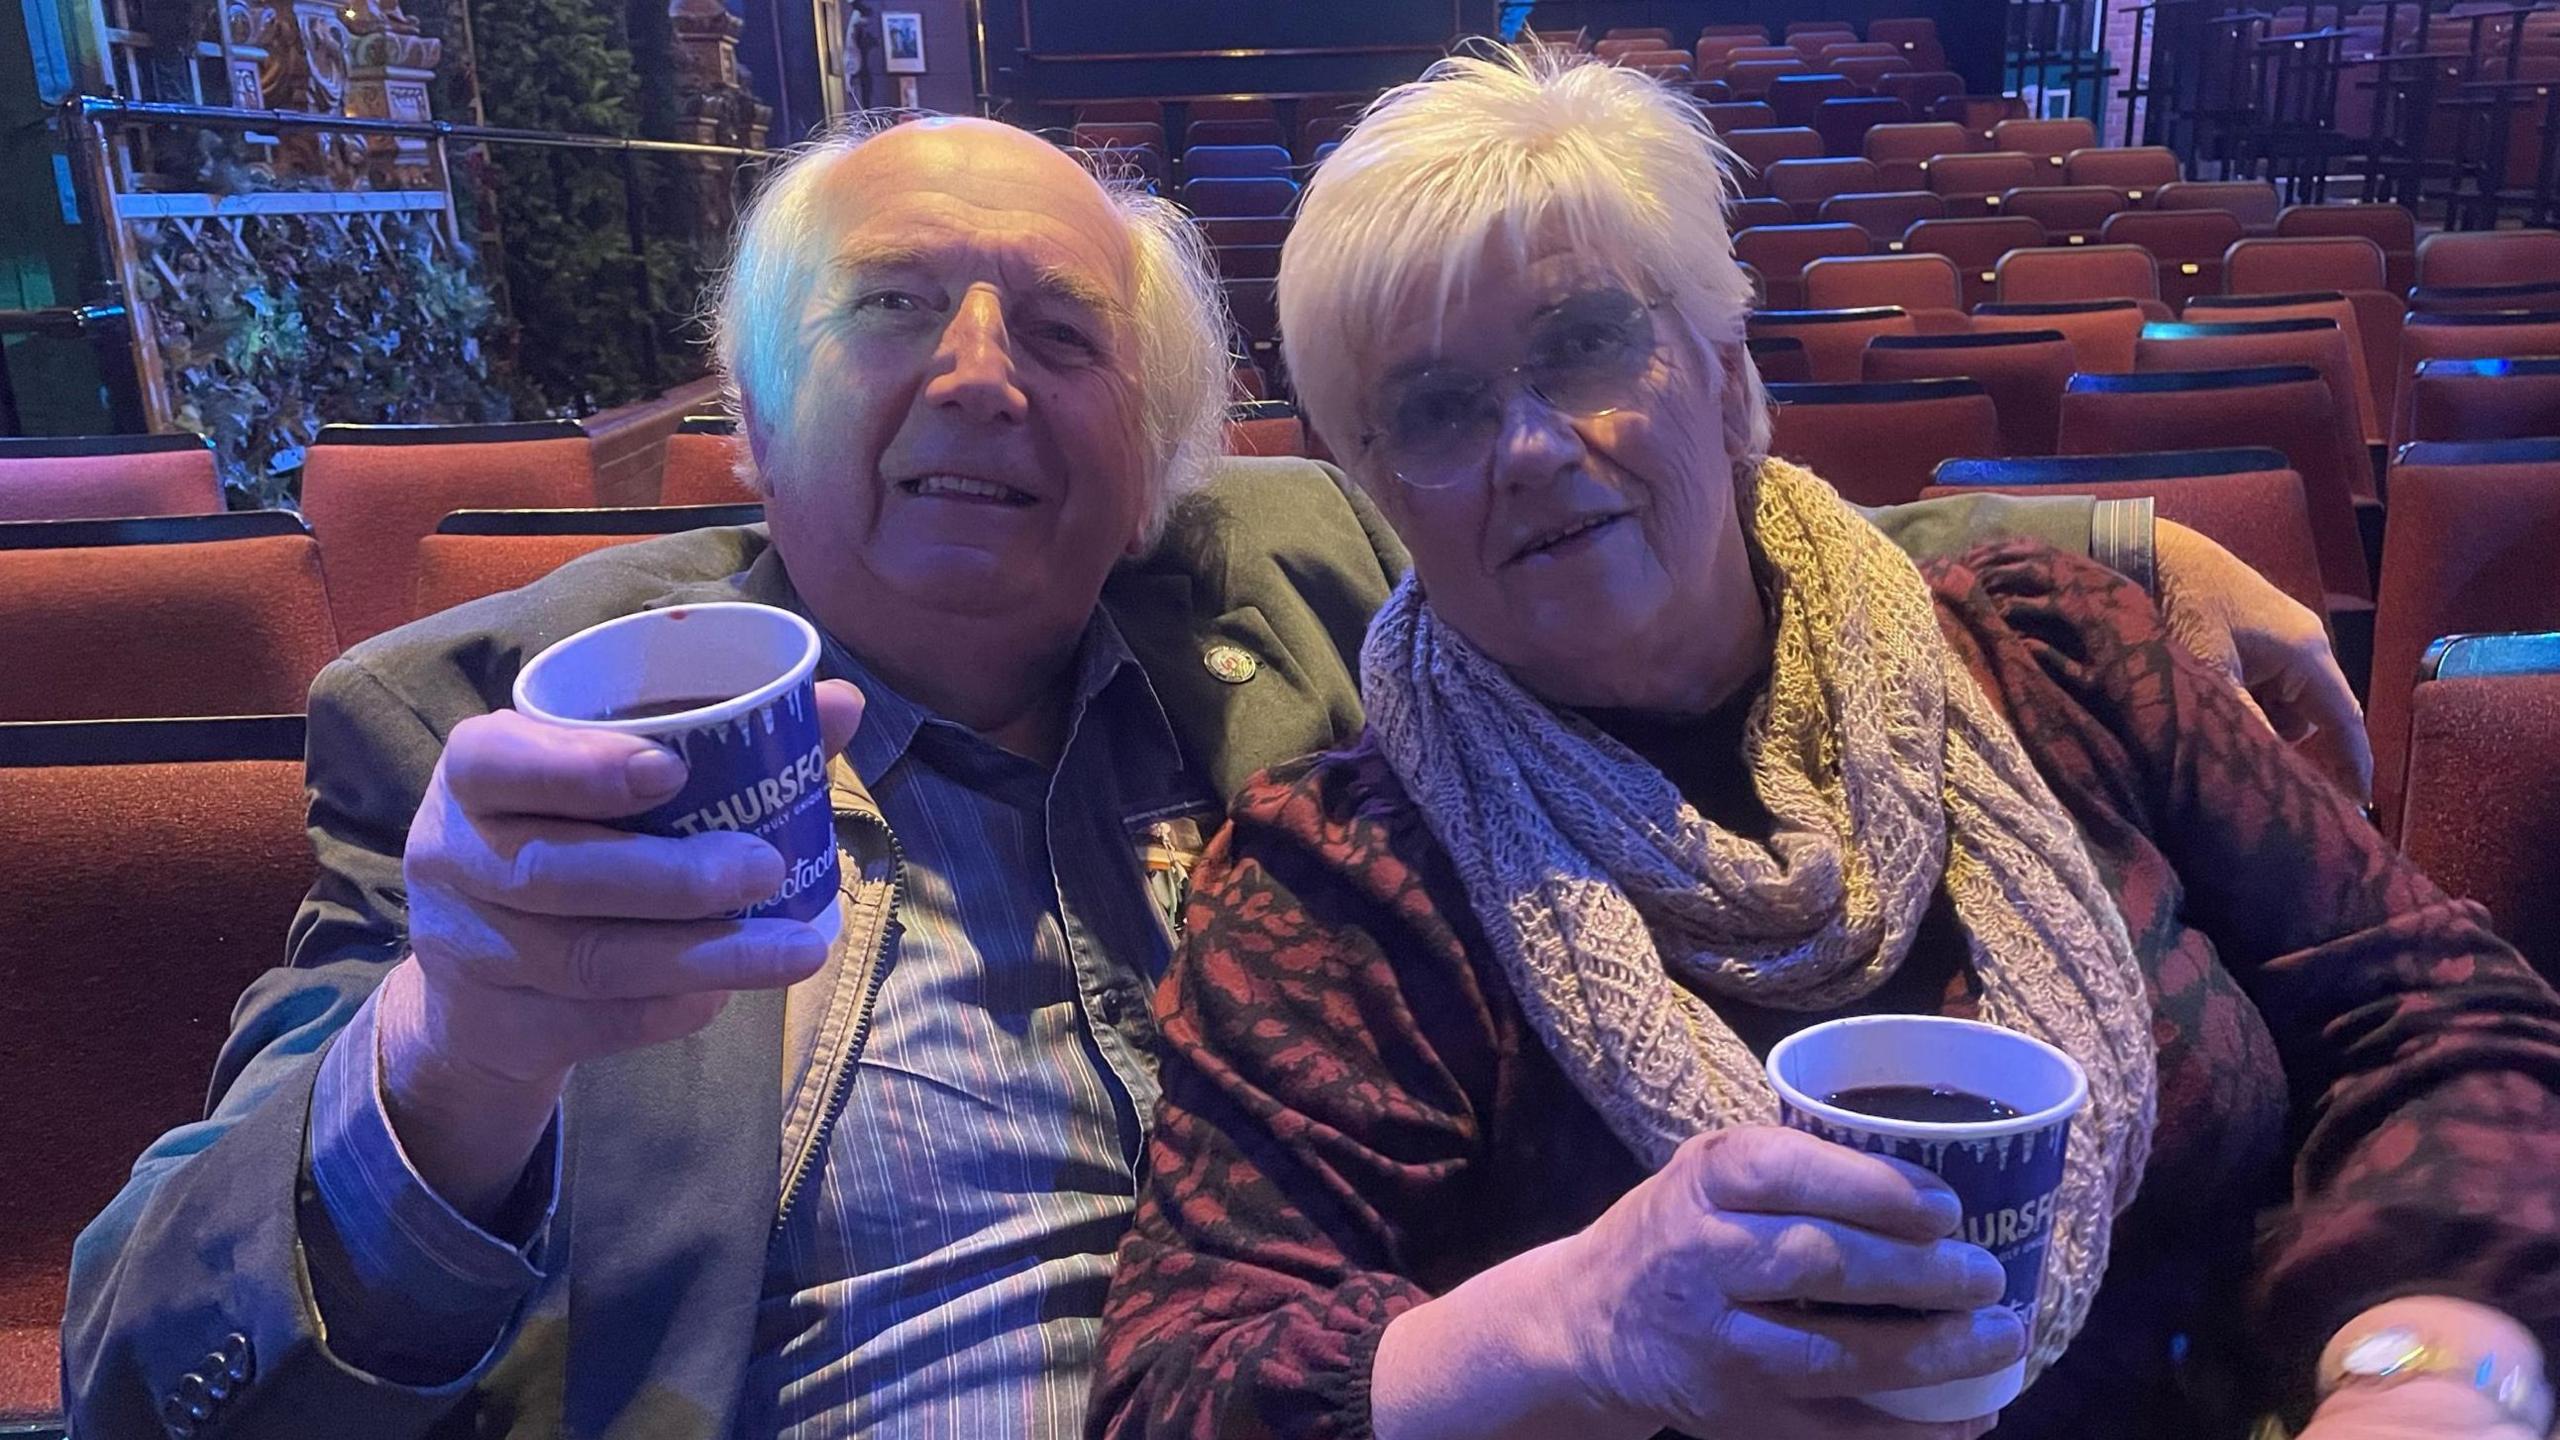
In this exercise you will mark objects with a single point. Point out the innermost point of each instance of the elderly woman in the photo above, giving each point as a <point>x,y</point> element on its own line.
<point>1464,1131</point>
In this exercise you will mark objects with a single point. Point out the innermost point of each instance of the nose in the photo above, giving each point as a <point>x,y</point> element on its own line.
<point>973,365</point>
<point>1536,444</point>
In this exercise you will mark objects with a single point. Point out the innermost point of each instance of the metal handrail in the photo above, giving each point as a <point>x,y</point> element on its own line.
<point>226,117</point>
<point>66,321</point>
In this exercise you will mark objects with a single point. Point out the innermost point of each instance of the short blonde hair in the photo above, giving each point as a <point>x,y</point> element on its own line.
<point>1180,316</point>
<point>1492,150</point>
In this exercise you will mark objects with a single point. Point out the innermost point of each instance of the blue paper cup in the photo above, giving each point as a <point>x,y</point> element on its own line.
<point>731,688</point>
<point>2004,1172</point>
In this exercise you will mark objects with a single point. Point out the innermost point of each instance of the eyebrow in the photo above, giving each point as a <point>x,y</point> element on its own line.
<point>1050,282</point>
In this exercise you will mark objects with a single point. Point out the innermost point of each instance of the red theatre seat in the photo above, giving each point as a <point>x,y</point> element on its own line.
<point>2474,531</point>
<point>372,491</point>
<point>2249,501</point>
<point>1877,444</point>
<point>703,460</point>
<point>96,477</point>
<point>2022,371</point>
<point>2483,810</point>
<point>168,615</point>
<point>189,831</point>
<point>487,552</point>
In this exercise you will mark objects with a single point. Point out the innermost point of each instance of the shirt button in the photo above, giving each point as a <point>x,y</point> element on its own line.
<point>1107,1005</point>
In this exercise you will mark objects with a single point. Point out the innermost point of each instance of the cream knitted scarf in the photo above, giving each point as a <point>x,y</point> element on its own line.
<point>1612,905</point>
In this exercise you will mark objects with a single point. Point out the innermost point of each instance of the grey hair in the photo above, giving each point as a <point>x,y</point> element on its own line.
<point>1180,315</point>
<point>1490,150</point>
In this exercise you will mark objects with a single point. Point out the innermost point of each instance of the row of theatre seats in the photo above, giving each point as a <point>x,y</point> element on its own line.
<point>149,732</point>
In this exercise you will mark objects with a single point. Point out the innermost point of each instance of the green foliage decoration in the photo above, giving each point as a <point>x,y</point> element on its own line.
<point>296,320</point>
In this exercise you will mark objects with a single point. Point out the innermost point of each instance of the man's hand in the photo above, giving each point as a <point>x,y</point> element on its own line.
<point>2277,651</point>
<point>540,937</point>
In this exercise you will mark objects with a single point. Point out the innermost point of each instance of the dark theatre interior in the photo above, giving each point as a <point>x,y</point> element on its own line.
<point>319,320</point>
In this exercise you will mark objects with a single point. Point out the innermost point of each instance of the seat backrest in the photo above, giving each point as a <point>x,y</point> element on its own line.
<point>704,458</point>
<point>1265,427</point>
<point>1833,339</point>
<point>2248,501</point>
<point>1243,130</point>
<point>2188,244</point>
<point>1780,253</point>
<point>1731,115</point>
<point>1988,173</point>
<point>1975,245</point>
<point>2393,227</point>
<point>2482,813</point>
<point>1240,195</point>
<point>1245,161</point>
<point>173,615</point>
<point>2138,171</point>
<point>1923,88</point>
<point>1760,149</point>
<point>1750,212</point>
<point>2102,332</point>
<point>2276,264</point>
<point>2479,299</point>
<point>1615,47</point>
<point>2022,371</point>
<point>1780,359</point>
<point>2051,141</point>
<point>2251,202</point>
<point>1854,282</point>
<point>1798,98</point>
<point>1917,141</point>
<point>1752,79</point>
<point>187,831</point>
<point>2506,399</point>
<point>2286,407</point>
<point>2488,257</point>
<point>2341,310</point>
<point>1884,214</point>
<point>2070,214</point>
<point>1120,135</point>
<point>1805,184</point>
<point>2319,341</point>
<point>371,491</point>
<point>98,477</point>
<point>1877,444</point>
<point>2474,529</point>
<point>1868,71</point>
<point>1979,113</point>
<point>1844,123</point>
<point>2491,336</point>
<point>487,552</point>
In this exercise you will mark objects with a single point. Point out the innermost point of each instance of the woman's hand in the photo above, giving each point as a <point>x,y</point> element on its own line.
<point>2428,1407</point>
<point>1704,1301</point>
<point>1703,1294</point>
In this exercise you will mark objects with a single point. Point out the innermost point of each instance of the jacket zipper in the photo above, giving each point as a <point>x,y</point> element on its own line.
<point>842,1089</point>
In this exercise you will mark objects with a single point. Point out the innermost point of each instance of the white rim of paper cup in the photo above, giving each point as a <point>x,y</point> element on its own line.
<point>727,710</point>
<point>2067,1107</point>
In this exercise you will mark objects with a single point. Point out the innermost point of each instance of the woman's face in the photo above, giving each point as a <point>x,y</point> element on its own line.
<point>1574,517</point>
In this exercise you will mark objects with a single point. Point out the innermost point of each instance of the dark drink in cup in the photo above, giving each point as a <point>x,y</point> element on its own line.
<point>1987,1110</point>
<point>731,688</point>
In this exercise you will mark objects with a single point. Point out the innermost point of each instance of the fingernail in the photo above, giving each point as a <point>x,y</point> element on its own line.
<point>653,774</point>
<point>1945,1210</point>
<point>800,953</point>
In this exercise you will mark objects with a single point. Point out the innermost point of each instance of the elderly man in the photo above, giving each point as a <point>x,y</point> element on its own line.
<point>525,1142</point>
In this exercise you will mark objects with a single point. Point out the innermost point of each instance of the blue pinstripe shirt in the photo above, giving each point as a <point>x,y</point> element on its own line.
<point>943,1277</point>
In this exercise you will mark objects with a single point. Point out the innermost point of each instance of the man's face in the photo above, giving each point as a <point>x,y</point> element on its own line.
<point>966,438</point>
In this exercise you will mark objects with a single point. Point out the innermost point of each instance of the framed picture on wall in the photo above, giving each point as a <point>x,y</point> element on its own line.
<point>902,41</point>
